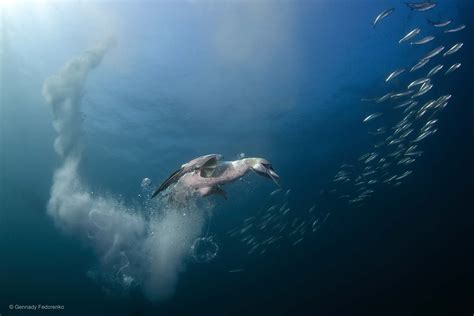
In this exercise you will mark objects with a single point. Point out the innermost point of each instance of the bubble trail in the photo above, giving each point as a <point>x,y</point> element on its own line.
<point>133,249</point>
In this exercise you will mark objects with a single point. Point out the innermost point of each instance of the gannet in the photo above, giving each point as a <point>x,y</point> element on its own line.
<point>208,173</point>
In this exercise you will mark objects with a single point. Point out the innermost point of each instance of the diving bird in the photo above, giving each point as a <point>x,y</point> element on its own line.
<point>206,174</point>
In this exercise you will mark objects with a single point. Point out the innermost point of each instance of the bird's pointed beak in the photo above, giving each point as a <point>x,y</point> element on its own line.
<point>273,175</point>
<point>266,170</point>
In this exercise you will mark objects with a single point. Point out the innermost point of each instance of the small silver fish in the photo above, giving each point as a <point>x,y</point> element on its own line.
<point>405,174</point>
<point>428,105</point>
<point>457,29</point>
<point>440,24</point>
<point>408,132</point>
<point>452,68</point>
<point>395,141</point>
<point>442,105</point>
<point>384,97</point>
<point>431,122</point>
<point>271,208</point>
<point>420,64</point>
<point>415,153</point>
<point>424,135</point>
<point>424,40</point>
<point>394,74</point>
<point>453,49</point>
<point>434,52</point>
<point>412,148</point>
<point>421,113</point>
<point>276,191</point>
<point>372,116</point>
<point>425,86</point>
<point>382,16</point>
<point>298,241</point>
<point>404,104</point>
<point>414,5</point>
<point>434,70</point>
<point>409,35</point>
<point>428,6</point>
<point>418,82</point>
<point>423,90</point>
<point>401,94</point>
<point>421,6</point>
<point>444,98</point>
<point>364,156</point>
<point>390,179</point>
<point>371,157</point>
<point>401,129</point>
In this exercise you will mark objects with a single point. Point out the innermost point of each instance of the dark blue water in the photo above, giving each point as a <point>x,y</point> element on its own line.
<point>275,79</point>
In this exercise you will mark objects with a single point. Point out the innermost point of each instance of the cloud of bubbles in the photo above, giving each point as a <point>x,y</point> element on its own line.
<point>146,246</point>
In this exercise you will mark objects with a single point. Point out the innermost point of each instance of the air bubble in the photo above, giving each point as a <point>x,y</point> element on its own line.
<point>146,182</point>
<point>204,249</point>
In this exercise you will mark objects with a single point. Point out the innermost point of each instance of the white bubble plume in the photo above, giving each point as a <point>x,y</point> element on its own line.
<point>147,251</point>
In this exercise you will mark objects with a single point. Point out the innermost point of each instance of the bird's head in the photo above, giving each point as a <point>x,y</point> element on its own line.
<point>263,167</point>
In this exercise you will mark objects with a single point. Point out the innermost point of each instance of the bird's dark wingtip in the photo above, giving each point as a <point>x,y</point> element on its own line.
<point>172,179</point>
<point>155,193</point>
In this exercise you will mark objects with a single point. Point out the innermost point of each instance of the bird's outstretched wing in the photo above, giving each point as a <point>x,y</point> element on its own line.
<point>206,164</point>
<point>172,179</point>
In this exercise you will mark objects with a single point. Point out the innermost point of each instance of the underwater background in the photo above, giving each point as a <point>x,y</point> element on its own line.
<point>276,79</point>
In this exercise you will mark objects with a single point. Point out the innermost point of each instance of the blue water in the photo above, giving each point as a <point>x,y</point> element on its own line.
<point>276,79</point>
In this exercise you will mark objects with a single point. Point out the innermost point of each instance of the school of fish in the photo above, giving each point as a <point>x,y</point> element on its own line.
<point>397,143</point>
